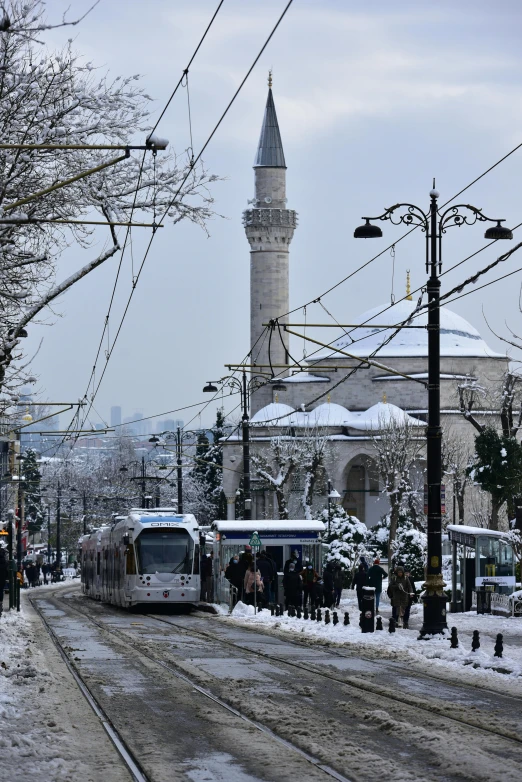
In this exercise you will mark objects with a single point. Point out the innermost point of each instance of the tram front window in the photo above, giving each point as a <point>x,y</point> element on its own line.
<point>165,551</point>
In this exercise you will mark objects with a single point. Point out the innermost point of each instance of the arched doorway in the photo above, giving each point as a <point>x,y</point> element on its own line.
<point>361,482</point>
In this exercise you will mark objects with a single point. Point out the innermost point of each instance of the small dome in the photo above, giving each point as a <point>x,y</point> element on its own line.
<point>381,415</point>
<point>329,414</point>
<point>273,414</point>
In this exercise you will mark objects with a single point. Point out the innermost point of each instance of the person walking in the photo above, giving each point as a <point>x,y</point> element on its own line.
<point>400,594</point>
<point>253,583</point>
<point>234,574</point>
<point>4,572</point>
<point>266,568</point>
<point>293,587</point>
<point>296,560</point>
<point>310,578</point>
<point>46,569</point>
<point>205,572</point>
<point>359,581</point>
<point>413,599</point>
<point>376,574</point>
<point>338,583</point>
<point>328,585</point>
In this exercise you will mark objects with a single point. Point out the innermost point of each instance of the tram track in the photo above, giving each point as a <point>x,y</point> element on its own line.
<point>130,759</point>
<point>368,687</point>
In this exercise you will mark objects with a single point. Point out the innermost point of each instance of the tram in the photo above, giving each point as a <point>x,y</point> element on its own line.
<point>149,556</point>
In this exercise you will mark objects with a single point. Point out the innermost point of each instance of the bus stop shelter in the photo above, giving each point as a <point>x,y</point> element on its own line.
<point>481,559</point>
<point>278,538</point>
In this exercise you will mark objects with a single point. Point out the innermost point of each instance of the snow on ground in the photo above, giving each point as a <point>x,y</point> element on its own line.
<point>434,655</point>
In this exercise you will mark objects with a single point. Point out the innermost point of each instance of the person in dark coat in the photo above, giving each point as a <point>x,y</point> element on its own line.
<point>234,574</point>
<point>375,576</point>
<point>205,573</point>
<point>364,563</point>
<point>4,572</point>
<point>310,578</point>
<point>360,580</point>
<point>296,560</point>
<point>413,599</point>
<point>400,594</point>
<point>293,587</point>
<point>46,569</point>
<point>267,569</point>
<point>338,577</point>
<point>328,585</point>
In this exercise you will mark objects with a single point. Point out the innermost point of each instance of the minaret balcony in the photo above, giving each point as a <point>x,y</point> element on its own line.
<point>270,217</point>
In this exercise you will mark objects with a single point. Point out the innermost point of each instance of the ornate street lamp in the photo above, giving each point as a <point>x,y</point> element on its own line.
<point>434,225</point>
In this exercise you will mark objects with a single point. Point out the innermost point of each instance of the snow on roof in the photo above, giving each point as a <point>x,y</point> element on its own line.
<point>329,414</point>
<point>466,530</point>
<point>305,377</point>
<point>457,336</point>
<point>423,376</point>
<point>272,413</point>
<point>381,415</point>
<point>269,525</point>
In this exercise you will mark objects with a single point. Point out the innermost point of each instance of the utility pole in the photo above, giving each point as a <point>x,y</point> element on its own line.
<point>246,452</point>
<point>20,516</point>
<point>49,533</point>
<point>179,470</point>
<point>84,513</point>
<point>144,502</point>
<point>58,526</point>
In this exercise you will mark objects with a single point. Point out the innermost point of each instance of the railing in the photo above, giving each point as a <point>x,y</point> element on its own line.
<point>500,603</point>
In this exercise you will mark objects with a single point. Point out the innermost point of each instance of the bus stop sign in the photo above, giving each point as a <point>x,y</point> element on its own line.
<point>255,540</point>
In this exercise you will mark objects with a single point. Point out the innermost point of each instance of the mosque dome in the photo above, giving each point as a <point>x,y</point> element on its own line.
<point>457,336</point>
<point>272,413</point>
<point>381,415</point>
<point>329,414</point>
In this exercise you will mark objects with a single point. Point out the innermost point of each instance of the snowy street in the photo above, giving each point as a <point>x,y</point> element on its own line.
<point>202,697</point>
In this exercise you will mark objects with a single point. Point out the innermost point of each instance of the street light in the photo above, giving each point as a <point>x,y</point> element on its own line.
<point>180,435</point>
<point>434,225</point>
<point>245,389</point>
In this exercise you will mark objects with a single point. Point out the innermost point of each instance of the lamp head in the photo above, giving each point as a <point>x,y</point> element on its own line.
<point>277,385</point>
<point>154,439</point>
<point>210,388</point>
<point>367,231</point>
<point>498,231</point>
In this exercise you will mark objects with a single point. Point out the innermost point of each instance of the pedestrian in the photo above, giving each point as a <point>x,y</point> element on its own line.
<point>359,581</point>
<point>46,569</point>
<point>319,593</point>
<point>245,560</point>
<point>296,560</point>
<point>234,574</point>
<point>36,574</point>
<point>364,563</point>
<point>253,583</point>
<point>375,576</point>
<point>205,572</point>
<point>293,587</point>
<point>328,585</point>
<point>338,583</point>
<point>413,599</point>
<point>266,568</point>
<point>29,572</point>
<point>3,576</point>
<point>400,593</point>
<point>310,578</point>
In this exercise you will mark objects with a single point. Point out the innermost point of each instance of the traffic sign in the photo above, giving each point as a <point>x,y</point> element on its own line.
<point>255,540</point>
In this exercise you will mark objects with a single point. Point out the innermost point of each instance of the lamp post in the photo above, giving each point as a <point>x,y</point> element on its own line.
<point>245,389</point>
<point>434,224</point>
<point>59,526</point>
<point>142,478</point>
<point>179,436</point>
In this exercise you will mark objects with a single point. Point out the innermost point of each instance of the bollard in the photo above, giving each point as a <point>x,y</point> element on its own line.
<point>17,588</point>
<point>305,615</point>
<point>272,610</point>
<point>379,623</point>
<point>312,614</point>
<point>346,618</point>
<point>391,626</point>
<point>291,611</point>
<point>499,645</point>
<point>475,644</point>
<point>454,639</point>
<point>327,617</point>
<point>335,618</point>
<point>318,615</point>
<point>298,612</point>
<point>281,609</point>
<point>367,622</point>
<point>277,610</point>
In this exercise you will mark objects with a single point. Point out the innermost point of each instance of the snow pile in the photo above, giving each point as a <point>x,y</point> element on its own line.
<point>241,610</point>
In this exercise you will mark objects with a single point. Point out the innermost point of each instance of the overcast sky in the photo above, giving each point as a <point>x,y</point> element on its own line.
<point>373,102</point>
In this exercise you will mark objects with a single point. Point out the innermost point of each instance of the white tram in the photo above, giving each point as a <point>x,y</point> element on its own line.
<point>149,556</point>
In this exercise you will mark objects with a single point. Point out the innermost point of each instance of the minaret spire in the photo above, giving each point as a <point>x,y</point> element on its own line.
<point>270,148</point>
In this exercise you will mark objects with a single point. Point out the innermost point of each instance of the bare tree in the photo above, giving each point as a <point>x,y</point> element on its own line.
<point>276,467</point>
<point>55,99</point>
<point>398,447</point>
<point>456,458</point>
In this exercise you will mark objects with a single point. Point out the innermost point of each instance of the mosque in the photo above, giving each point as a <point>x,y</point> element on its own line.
<point>348,413</point>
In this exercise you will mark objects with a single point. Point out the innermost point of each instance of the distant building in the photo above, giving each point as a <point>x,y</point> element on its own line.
<point>116,416</point>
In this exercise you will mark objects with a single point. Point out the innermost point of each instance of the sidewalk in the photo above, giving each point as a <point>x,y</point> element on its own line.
<point>47,725</point>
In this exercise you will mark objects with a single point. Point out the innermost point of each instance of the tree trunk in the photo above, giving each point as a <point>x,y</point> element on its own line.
<point>460,505</point>
<point>394,521</point>
<point>495,507</point>
<point>281,503</point>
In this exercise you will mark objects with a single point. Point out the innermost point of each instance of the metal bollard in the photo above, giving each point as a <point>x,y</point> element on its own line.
<point>475,643</point>
<point>277,610</point>
<point>281,610</point>
<point>318,615</point>
<point>298,611</point>
<point>335,618</point>
<point>379,623</point>
<point>499,645</point>
<point>367,622</point>
<point>391,626</point>
<point>305,615</point>
<point>327,617</point>
<point>454,639</point>
<point>272,610</point>
<point>346,618</point>
<point>17,588</point>
<point>312,615</point>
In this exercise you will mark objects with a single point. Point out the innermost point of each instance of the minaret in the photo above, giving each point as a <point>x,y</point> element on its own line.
<point>269,227</point>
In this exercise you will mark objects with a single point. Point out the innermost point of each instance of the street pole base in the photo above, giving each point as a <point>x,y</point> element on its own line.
<point>434,621</point>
